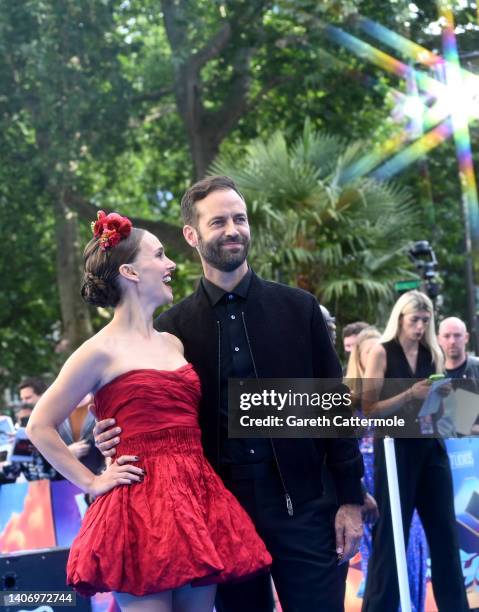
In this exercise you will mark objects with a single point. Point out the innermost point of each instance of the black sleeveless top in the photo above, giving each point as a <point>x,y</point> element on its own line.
<point>397,367</point>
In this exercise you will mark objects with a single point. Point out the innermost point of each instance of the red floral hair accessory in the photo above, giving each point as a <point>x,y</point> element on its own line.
<point>110,229</point>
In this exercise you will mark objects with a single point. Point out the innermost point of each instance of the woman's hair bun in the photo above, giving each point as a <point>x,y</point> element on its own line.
<point>99,291</point>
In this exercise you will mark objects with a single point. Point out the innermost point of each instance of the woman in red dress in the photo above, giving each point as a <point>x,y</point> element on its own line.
<point>163,530</point>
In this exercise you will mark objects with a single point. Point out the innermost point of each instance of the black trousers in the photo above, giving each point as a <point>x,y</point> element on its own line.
<point>305,570</point>
<point>425,483</point>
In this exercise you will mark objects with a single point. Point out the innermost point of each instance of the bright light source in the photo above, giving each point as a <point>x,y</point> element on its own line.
<point>414,107</point>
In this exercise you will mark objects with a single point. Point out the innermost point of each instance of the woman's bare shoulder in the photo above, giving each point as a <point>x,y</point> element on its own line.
<point>173,340</point>
<point>376,365</point>
<point>378,350</point>
<point>96,351</point>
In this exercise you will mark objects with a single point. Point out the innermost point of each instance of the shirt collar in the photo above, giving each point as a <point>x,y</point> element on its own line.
<point>216,294</point>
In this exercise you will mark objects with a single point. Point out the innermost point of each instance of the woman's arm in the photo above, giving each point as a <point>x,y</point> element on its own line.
<point>80,375</point>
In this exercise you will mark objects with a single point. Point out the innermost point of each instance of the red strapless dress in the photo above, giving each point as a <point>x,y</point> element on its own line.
<point>180,525</point>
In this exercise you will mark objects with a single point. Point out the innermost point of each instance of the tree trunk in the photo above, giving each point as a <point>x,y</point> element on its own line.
<point>77,325</point>
<point>204,149</point>
<point>206,129</point>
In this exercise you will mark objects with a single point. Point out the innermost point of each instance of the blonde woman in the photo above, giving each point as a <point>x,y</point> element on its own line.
<point>417,548</point>
<point>356,369</point>
<point>409,350</point>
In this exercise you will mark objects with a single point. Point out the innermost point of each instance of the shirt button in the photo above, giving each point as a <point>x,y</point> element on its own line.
<point>231,296</point>
<point>233,317</point>
<point>236,348</point>
<point>251,451</point>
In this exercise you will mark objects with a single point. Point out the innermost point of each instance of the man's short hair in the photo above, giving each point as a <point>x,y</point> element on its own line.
<point>200,190</point>
<point>38,385</point>
<point>353,329</point>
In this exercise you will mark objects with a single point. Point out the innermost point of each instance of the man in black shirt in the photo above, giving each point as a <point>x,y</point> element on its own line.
<point>235,362</point>
<point>238,325</point>
<point>453,339</point>
<point>463,368</point>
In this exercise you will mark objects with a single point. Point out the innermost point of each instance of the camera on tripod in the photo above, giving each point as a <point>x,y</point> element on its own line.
<point>423,257</point>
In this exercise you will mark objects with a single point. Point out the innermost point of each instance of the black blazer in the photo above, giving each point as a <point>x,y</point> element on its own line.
<point>289,339</point>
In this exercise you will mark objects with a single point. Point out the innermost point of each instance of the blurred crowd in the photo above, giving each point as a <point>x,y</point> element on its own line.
<point>19,460</point>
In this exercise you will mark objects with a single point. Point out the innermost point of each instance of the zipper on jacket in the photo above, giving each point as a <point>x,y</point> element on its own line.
<point>289,502</point>
<point>218,413</point>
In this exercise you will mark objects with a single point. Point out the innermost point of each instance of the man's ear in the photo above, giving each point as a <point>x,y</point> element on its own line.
<point>466,337</point>
<point>129,272</point>
<point>191,235</point>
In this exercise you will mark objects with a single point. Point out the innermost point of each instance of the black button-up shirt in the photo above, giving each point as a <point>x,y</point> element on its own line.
<point>236,361</point>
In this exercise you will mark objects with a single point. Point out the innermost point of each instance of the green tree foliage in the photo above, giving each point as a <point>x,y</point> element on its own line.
<point>119,105</point>
<point>63,91</point>
<point>29,309</point>
<point>343,241</point>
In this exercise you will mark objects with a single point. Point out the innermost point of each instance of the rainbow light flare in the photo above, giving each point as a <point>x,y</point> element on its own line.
<point>448,99</point>
<point>443,109</point>
<point>414,151</point>
<point>382,59</point>
<point>408,48</point>
<point>432,117</point>
<point>460,122</point>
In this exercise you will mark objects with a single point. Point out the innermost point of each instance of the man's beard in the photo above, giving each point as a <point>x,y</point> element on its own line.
<point>223,259</point>
<point>453,353</point>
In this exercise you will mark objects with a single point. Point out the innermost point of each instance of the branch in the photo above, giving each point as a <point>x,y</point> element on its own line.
<point>233,109</point>
<point>287,41</point>
<point>153,96</point>
<point>176,20</point>
<point>235,103</point>
<point>170,234</point>
<point>174,30</point>
<point>267,87</point>
<point>214,47</point>
<point>158,112</point>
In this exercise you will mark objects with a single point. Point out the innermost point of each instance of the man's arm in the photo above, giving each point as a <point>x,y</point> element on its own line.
<point>346,466</point>
<point>342,454</point>
<point>325,359</point>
